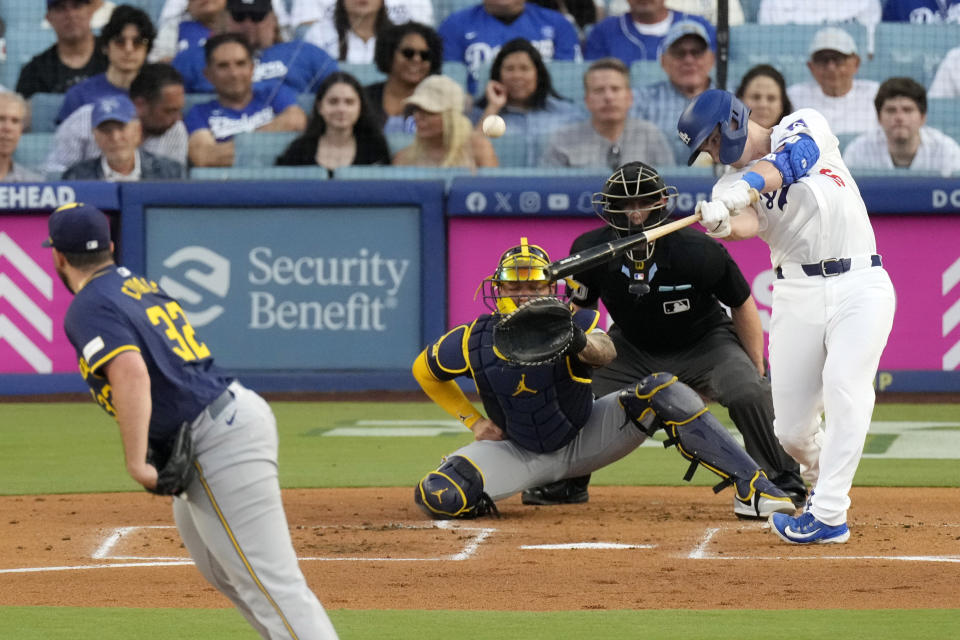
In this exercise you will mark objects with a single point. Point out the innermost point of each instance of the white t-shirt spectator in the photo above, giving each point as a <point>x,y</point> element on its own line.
<point>307,12</point>
<point>704,8</point>
<point>946,84</point>
<point>850,113</point>
<point>324,35</point>
<point>937,152</point>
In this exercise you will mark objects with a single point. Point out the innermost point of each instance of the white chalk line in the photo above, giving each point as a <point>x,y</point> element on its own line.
<point>700,552</point>
<point>585,545</point>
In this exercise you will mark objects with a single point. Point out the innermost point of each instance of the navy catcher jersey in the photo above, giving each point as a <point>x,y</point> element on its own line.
<point>118,311</point>
<point>688,276</point>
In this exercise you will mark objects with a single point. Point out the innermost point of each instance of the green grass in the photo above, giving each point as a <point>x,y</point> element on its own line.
<point>56,623</point>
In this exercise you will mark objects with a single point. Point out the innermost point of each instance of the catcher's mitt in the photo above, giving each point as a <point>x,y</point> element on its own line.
<point>538,332</point>
<point>175,473</point>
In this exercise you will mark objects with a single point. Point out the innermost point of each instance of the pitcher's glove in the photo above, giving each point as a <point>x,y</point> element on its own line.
<point>540,331</point>
<point>176,473</point>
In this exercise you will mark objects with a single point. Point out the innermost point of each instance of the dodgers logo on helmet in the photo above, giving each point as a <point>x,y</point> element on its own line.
<point>214,279</point>
<point>706,112</point>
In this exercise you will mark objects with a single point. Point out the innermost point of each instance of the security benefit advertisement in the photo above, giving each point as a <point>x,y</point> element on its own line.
<point>307,288</point>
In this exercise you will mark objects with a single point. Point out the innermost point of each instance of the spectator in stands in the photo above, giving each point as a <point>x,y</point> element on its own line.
<point>352,34</point>
<point>474,35</point>
<point>157,93</point>
<point>610,138</point>
<point>445,137</point>
<point>116,130</point>
<point>866,12</point>
<point>922,11</point>
<point>640,34</point>
<point>764,90</point>
<point>580,13</point>
<point>306,13</point>
<point>903,140</point>
<point>75,56</point>
<point>341,131</point>
<point>189,28</point>
<point>707,9</point>
<point>173,10</point>
<point>239,106</point>
<point>946,82</point>
<point>407,53</point>
<point>299,66</point>
<point>126,40</point>
<point>687,59</point>
<point>521,92</point>
<point>846,102</point>
<point>13,113</point>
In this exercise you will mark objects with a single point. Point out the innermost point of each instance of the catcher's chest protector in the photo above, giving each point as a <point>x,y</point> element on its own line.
<point>541,408</point>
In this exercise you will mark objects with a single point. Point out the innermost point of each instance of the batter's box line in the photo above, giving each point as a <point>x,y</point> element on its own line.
<point>700,552</point>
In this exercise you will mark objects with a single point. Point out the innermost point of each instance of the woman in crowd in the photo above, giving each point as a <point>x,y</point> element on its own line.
<point>444,137</point>
<point>764,90</point>
<point>521,92</point>
<point>340,132</point>
<point>406,53</point>
<point>352,34</point>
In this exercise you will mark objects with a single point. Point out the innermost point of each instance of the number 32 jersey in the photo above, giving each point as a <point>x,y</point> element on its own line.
<point>820,216</point>
<point>118,311</point>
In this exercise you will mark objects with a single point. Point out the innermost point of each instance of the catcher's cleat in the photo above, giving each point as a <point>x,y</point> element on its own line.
<point>759,498</point>
<point>567,491</point>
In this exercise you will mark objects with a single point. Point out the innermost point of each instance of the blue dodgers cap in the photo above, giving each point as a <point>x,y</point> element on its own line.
<point>118,108</point>
<point>78,228</point>
<point>680,29</point>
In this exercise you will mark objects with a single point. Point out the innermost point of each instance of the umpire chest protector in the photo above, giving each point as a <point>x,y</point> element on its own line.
<point>541,408</point>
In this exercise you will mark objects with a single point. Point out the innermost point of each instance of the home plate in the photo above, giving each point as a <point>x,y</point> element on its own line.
<point>588,545</point>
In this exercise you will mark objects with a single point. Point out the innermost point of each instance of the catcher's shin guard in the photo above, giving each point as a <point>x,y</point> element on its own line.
<point>662,401</point>
<point>455,490</point>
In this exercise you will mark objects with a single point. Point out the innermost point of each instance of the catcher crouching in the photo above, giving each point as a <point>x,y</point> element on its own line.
<point>531,362</point>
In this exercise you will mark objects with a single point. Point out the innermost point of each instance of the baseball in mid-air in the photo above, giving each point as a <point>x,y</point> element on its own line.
<point>494,126</point>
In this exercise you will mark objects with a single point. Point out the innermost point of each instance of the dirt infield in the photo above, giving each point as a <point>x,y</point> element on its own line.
<point>628,548</point>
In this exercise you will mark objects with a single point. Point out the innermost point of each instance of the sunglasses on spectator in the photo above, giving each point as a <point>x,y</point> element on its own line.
<point>254,16</point>
<point>138,42</point>
<point>825,57</point>
<point>682,52</point>
<point>410,54</point>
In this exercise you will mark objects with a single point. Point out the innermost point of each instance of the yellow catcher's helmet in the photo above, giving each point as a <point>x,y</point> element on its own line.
<point>522,263</point>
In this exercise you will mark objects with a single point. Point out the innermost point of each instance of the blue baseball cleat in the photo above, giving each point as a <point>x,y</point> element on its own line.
<point>806,529</point>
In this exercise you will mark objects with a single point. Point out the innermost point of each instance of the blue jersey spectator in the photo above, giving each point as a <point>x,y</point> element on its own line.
<point>922,11</point>
<point>639,33</point>
<point>474,36</point>
<point>88,92</point>
<point>225,122</point>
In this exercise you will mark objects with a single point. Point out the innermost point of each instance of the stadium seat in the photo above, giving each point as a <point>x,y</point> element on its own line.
<point>312,172</point>
<point>364,73</point>
<point>397,141</point>
<point>520,151</point>
<point>260,148</point>
<point>567,77</point>
<point>443,8</point>
<point>44,108</point>
<point>24,41</point>
<point>919,46</point>
<point>783,46</point>
<point>195,99</point>
<point>944,114</point>
<point>33,149</point>
<point>644,72</point>
<point>455,71</point>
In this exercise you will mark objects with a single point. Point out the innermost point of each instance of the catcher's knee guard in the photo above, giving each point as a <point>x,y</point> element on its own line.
<point>455,490</point>
<point>662,401</point>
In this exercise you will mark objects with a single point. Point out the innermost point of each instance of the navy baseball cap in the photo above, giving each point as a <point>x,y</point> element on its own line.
<point>118,108</point>
<point>78,228</point>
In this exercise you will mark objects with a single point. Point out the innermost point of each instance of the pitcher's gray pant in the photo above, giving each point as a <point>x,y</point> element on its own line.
<point>232,521</point>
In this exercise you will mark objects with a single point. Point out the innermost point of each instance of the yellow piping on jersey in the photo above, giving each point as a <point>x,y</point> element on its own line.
<point>236,546</point>
<point>574,377</point>
<point>436,355</point>
<point>463,496</point>
<point>110,356</point>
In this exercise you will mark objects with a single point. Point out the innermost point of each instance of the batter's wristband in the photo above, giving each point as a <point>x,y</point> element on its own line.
<point>755,180</point>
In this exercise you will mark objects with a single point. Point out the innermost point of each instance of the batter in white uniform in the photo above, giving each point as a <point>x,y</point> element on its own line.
<point>833,303</point>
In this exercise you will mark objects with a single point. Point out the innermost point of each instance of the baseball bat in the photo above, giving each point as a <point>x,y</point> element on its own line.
<point>606,252</point>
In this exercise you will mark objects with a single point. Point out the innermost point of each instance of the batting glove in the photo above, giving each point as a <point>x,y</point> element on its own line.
<point>736,196</point>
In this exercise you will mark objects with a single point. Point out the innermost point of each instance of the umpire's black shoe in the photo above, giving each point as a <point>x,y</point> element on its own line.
<point>567,491</point>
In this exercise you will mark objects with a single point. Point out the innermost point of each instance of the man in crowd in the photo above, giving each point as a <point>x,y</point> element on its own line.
<point>903,141</point>
<point>298,65</point>
<point>126,39</point>
<point>474,35</point>
<point>157,93</point>
<point>116,130</point>
<point>688,60</point>
<point>238,107</point>
<point>13,111</point>
<point>75,56</point>
<point>639,33</point>
<point>846,102</point>
<point>609,137</point>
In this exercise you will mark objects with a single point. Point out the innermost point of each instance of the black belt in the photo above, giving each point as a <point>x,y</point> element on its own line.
<point>221,402</point>
<point>831,267</point>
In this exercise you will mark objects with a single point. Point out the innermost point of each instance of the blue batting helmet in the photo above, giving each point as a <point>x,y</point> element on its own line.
<point>711,108</point>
